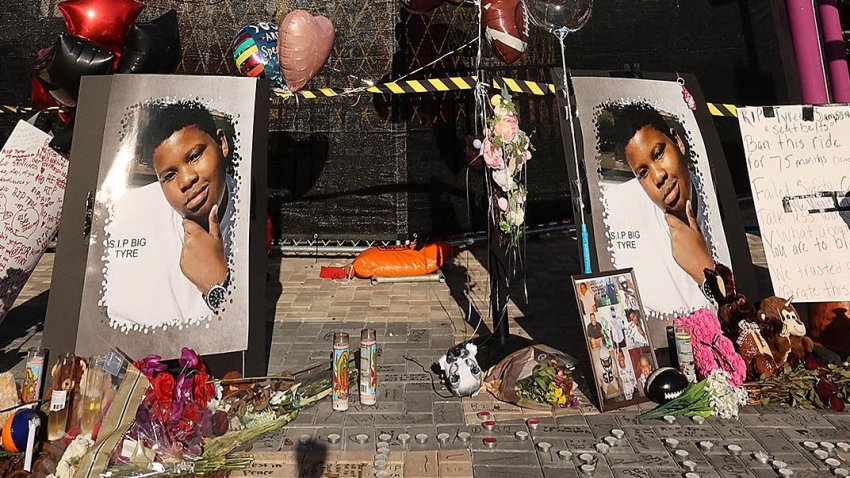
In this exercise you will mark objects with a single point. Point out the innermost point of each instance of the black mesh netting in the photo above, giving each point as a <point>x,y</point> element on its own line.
<point>384,167</point>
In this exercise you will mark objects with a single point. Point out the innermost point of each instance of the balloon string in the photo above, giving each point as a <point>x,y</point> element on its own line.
<point>561,33</point>
<point>441,58</point>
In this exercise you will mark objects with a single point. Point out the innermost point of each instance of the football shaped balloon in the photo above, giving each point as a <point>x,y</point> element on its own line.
<point>304,45</point>
<point>103,22</point>
<point>665,384</point>
<point>506,28</point>
<point>61,67</point>
<point>152,47</point>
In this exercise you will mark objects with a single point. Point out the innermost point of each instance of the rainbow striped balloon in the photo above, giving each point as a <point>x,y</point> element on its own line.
<point>254,52</point>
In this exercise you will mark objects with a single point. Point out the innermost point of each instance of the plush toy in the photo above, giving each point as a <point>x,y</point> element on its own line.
<point>71,386</point>
<point>783,330</point>
<point>463,375</point>
<point>740,322</point>
<point>712,350</point>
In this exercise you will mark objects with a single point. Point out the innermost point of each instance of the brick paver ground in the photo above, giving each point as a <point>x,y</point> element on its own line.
<point>429,433</point>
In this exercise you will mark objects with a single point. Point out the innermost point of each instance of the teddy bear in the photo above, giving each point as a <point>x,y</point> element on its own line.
<point>740,323</point>
<point>782,328</point>
<point>71,386</point>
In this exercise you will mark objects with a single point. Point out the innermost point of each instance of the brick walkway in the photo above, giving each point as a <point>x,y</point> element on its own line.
<point>429,433</point>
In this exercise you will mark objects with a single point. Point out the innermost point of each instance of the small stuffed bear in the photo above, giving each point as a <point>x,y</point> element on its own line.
<point>782,328</point>
<point>463,375</point>
<point>70,386</point>
<point>740,322</point>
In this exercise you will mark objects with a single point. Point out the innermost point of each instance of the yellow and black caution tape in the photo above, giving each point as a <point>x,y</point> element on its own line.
<point>432,85</point>
<point>723,109</point>
<point>7,109</point>
<point>461,83</point>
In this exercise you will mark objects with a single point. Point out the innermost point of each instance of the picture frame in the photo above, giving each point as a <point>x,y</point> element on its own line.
<point>115,117</point>
<point>618,341</point>
<point>618,214</point>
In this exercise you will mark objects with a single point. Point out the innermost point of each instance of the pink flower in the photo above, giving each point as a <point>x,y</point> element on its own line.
<point>503,203</point>
<point>492,154</point>
<point>526,155</point>
<point>712,350</point>
<point>506,128</point>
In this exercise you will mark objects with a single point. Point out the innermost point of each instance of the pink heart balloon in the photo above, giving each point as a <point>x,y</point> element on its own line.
<point>304,45</point>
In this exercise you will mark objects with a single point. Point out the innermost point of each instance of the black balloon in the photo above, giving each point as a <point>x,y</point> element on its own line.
<point>665,384</point>
<point>70,58</point>
<point>152,47</point>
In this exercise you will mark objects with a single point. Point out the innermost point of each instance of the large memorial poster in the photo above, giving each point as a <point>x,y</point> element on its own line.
<point>32,185</point>
<point>799,164</point>
<point>651,190</point>
<point>168,251</point>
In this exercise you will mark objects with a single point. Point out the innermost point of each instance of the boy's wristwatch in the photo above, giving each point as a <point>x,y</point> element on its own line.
<point>217,295</point>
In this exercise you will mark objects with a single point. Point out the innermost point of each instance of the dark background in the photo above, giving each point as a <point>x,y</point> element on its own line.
<point>388,167</point>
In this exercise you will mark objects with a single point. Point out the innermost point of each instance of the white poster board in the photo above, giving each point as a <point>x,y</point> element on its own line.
<point>799,164</point>
<point>32,185</point>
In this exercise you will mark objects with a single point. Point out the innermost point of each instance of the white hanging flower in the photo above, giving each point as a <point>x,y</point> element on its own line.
<point>503,179</point>
<point>516,216</point>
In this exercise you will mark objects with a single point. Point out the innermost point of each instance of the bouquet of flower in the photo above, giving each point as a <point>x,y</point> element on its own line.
<point>537,376</point>
<point>167,442</point>
<point>506,149</point>
<point>806,384</point>
<point>549,382</point>
<point>175,409</point>
<point>713,396</point>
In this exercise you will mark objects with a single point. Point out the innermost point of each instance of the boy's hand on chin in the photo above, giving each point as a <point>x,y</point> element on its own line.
<point>202,259</point>
<point>688,245</point>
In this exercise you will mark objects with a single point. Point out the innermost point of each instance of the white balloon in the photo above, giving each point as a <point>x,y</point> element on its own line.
<point>553,15</point>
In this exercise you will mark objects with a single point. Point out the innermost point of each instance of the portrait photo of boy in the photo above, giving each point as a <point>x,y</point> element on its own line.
<point>168,261</point>
<point>652,193</point>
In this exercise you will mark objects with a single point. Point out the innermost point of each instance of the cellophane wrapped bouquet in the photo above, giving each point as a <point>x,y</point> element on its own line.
<point>534,377</point>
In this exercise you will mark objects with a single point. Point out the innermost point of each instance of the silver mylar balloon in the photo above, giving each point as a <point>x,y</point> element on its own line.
<point>553,15</point>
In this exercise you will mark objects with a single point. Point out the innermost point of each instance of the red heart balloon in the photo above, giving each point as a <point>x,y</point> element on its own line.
<point>104,22</point>
<point>304,44</point>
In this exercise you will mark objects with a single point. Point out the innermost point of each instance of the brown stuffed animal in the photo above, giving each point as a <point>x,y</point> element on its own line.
<point>740,322</point>
<point>783,330</point>
<point>71,386</point>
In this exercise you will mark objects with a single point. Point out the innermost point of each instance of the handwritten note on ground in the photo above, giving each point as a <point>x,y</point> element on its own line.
<point>32,186</point>
<point>799,164</point>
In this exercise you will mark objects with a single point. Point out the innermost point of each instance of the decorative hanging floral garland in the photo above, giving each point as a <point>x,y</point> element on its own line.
<point>506,149</point>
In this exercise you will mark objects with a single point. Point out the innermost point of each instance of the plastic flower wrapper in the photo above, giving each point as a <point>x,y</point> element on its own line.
<point>537,377</point>
<point>234,423</point>
<point>714,396</point>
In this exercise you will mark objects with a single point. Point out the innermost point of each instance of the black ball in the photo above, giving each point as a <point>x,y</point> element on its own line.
<point>665,384</point>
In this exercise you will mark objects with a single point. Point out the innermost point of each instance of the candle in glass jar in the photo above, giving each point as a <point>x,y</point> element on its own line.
<point>31,388</point>
<point>93,391</point>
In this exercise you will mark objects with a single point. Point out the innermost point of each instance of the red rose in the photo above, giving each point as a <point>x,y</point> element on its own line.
<point>220,423</point>
<point>203,391</point>
<point>812,362</point>
<point>163,387</point>
<point>191,413</point>
<point>793,360</point>
<point>836,404</point>
<point>826,389</point>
